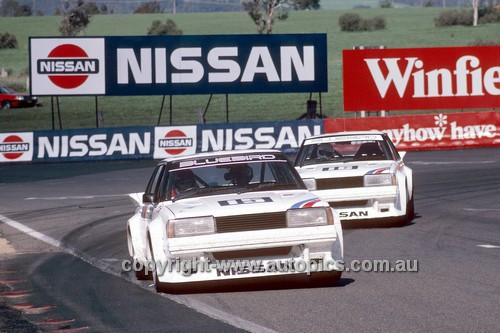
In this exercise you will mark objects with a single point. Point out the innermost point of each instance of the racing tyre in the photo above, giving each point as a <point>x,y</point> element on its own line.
<point>410,209</point>
<point>410,212</point>
<point>141,275</point>
<point>6,105</point>
<point>159,287</point>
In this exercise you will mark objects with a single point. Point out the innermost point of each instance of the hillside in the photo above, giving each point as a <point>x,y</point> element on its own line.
<point>406,27</point>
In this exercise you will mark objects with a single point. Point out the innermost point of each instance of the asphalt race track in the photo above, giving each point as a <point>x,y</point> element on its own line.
<point>65,227</point>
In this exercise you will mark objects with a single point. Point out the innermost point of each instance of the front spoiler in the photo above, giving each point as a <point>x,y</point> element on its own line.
<point>309,244</point>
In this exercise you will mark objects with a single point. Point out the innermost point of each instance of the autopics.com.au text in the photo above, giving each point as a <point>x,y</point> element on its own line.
<point>187,267</point>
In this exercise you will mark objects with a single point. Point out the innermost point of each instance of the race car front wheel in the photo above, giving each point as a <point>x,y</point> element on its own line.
<point>143,274</point>
<point>159,287</point>
<point>325,279</point>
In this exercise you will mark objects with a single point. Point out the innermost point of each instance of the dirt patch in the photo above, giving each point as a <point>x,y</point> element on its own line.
<point>6,247</point>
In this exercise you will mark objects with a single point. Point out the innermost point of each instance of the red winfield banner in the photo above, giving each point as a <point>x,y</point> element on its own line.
<point>429,131</point>
<point>421,78</point>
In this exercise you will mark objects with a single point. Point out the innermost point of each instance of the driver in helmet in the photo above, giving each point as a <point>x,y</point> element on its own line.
<point>325,152</point>
<point>240,175</point>
<point>185,180</point>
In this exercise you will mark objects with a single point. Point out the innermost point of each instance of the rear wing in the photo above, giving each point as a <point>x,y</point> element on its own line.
<point>136,198</point>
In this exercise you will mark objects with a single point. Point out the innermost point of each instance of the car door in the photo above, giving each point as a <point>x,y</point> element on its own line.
<point>137,224</point>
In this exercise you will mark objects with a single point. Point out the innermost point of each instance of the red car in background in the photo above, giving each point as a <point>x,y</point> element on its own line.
<point>10,99</point>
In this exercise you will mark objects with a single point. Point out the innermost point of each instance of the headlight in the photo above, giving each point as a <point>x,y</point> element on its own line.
<point>191,226</point>
<point>306,217</point>
<point>20,98</point>
<point>310,184</point>
<point>379,180</point>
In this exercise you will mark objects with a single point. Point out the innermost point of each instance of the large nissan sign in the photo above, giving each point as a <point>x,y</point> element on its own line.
<point>421,78</point>
<point>176,65</point>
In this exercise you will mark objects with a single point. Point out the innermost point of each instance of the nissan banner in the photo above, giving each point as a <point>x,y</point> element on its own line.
<point>177,65</point>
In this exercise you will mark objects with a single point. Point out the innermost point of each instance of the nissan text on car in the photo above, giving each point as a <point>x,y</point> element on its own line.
<point>361,175</point>
<point>247,206</point>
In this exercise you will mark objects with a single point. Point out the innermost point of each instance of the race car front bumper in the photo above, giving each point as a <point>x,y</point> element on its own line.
<point>250,254</point>
<point>364,202</point>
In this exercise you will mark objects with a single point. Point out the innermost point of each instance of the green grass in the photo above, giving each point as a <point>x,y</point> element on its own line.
<point>406,27</point>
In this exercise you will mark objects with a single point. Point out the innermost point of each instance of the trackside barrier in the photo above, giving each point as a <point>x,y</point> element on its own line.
<point>429,131</point>
<point>148,142</point>
<point>415,132</point>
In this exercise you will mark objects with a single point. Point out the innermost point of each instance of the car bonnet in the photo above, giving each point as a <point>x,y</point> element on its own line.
<point>245,203</point>
<point>349,169</point>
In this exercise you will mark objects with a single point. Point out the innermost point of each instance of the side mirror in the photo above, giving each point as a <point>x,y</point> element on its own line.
<point>147,198</point>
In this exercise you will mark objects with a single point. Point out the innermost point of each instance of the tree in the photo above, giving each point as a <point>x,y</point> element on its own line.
<point>23,10</point>
<point>265,12</point>
<point>475,9</point>
<point>76,18</point>
<point>74,22</point>
<point>149,8</point>
<point>13,8</point>
<point>91,8</point>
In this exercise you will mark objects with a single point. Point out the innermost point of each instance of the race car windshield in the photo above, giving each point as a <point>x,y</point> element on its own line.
<point>344,151</point>
<point>6,90</point>
<point>230,178</point>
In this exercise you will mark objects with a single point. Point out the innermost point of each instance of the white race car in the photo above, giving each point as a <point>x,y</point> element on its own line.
<point>361,175</point>
<point>225,216</point>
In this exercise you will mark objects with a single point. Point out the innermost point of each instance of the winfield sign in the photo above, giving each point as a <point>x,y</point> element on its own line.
<point>421,78</point>
<point>176,65</point>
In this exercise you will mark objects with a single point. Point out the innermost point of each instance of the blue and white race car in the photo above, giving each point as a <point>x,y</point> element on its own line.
<point>227,216</point>
<point>361,175</point>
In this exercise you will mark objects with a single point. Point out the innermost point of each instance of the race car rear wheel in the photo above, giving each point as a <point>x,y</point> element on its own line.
<point>6,105</point>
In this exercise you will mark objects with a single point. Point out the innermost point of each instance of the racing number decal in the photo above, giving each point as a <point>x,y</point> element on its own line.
<point>245,201</point>
<point>344,167</point>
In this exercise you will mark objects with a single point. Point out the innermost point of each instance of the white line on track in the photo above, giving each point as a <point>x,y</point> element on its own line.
<point>482,209</point>
<point>449,162</point>
<point>488,246</point>
<point>77,197</point>
<point>107,268</point>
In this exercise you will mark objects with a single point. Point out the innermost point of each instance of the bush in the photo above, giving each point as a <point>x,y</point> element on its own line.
<point>354,22</point>
<point>8,41</point>
<point>377,23</point>
<point>350,22</point>
<point>386,4</point>
<point>454,17</point>
<point>482,42</point>
<point>167,28</point>
<point>489,15</point>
